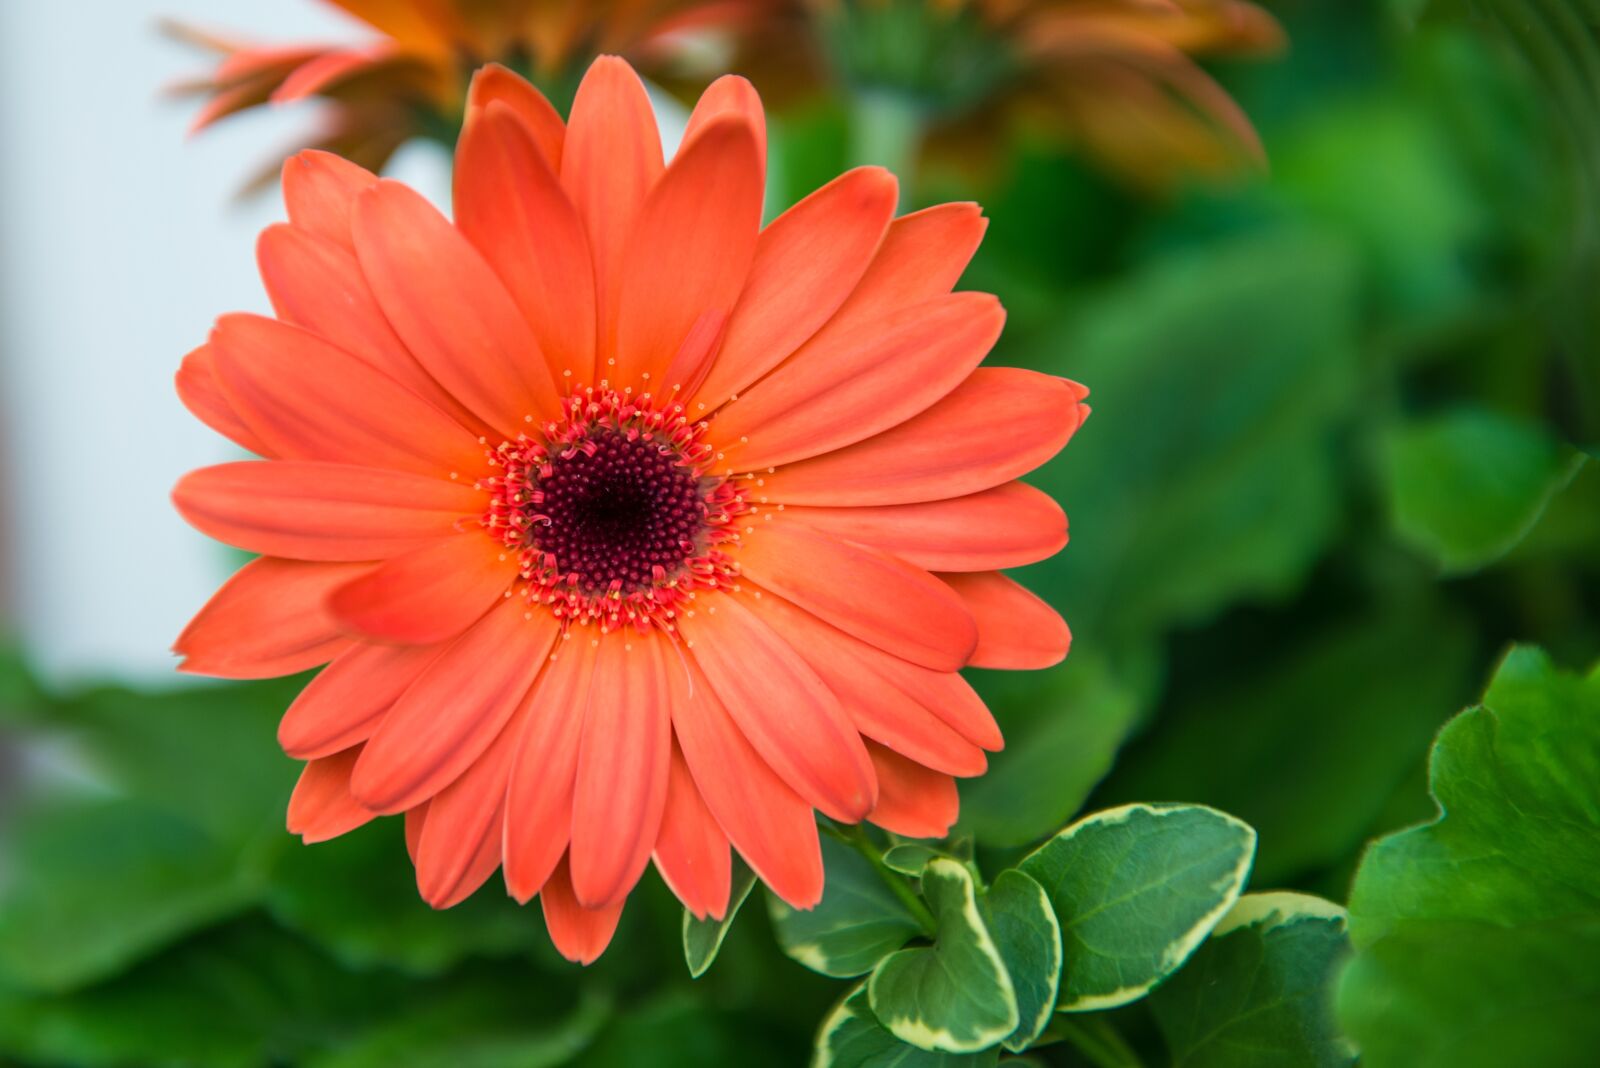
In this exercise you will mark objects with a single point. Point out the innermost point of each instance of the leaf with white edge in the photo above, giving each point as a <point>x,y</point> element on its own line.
<point>956,994</point>
<point>1137,889</point>
<point>851,1037</point>
<point>1026,932</point>
<point>1258,993</point>
<point>857,923</point>
<point>909,858</point>
<point>1467,486</point>
<point>702,939</point>
<point>1477,936</point>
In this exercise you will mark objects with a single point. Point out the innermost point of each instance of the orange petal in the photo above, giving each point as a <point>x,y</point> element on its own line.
<point>792,719</point>
<point>692,851</point>
<point>269,619</point>
<point>945,694</point>
<point>345,703</point>
<point>454,711</point>
<point>805,264</point>
<point>493,83</point>
<point>319,189</point>
<point>854,384</point>
<point>1016,629</point>
<point>200,392</point>
<point>321,806</point>
<point>539,794</point>
<point>922,256</point>
<point>430,594</point>
<point>311,401</point>
<point>510,205</point>
<point>331,68</point>
<point>318,285</point>
<point>580,934</point>
<point>731,95</point>
<point>451,309</point>
<point>772,828</point>
<point>913,801</point>
<point>880,599</point>
<point>880,710</point>
<point>465,825</point>
<point>690,249</point>
<point>611,159</point>
<point>319,511</point>
<point>416,823</point>
<point>1007,526</point>
<point>623,759</point>
<point>1000,423</point>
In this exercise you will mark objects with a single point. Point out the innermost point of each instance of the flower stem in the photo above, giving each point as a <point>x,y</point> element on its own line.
<point>857,836</point>
<point>1096,1039</point>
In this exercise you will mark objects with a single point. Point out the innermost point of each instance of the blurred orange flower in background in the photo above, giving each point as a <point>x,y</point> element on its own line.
<point>1117,77</point>
<point>412,80</point>
<point>627,528</point>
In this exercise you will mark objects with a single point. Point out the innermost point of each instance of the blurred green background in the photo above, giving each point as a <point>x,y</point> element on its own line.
<point>1336,465</point>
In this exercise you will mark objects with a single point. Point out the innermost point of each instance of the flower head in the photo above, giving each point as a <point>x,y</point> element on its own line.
<point>1117,76</point>
<point>627,529</point>
<point>411,80</point>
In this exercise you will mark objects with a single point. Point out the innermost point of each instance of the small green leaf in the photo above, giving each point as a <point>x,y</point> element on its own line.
<point>1467,486</point>
<point>702,939</point>
<point>851,1037</point>
<point>1137,889</point>
<point>954,995</point>
<point>909,858</point>
<point>1258,993</point>
<point>1478,935</point>
<point>857,923</point>
<point>1026,932</point>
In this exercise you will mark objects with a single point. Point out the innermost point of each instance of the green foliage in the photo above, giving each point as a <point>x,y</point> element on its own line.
<point>1466,486</point>
<point>1257,994</point>
<point>1136,890</point>
<point>851,1037</point>
<point>702,939</point>
<point>1024,927</point>
<point>1214,480</point>
<point>857,923</point>
<point>1314,740</point>
<point>955,995</point>
<point>1478,935</point>
<point>1063,728</point>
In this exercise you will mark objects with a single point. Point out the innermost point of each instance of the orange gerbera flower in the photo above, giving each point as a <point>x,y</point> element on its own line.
<point>412,80</point>
<point>626,528</point>
<point>1115,75</point>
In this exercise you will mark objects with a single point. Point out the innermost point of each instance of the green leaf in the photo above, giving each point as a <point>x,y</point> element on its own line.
<point>1478,935</point>
<point>1024,927</point>
<point>1063,728</point>
<point>1240,360</point>
<point>851,1037</point>
<point>1465,487</point>
<point>240,997</point>
<point>702,939</point>
<point>475,1020</point>
<point>98,884</point>
<point>1259,992</point>
<point>1306,746</point>
<point>357,897</point>
<point>857,923</point>
<point>909,858</point>
<point>1137,889</point>
<point>954,995</point>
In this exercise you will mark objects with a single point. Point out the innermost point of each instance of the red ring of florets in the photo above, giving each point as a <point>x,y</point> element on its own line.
<point>613,511</point>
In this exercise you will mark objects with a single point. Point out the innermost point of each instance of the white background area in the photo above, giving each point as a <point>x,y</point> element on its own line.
<point>121,239</point>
